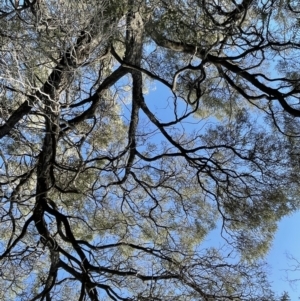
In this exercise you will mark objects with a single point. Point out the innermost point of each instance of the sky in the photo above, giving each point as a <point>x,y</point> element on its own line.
<point>286,240</point>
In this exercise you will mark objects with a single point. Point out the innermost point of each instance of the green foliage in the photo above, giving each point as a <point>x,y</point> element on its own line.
<point>111,194</point>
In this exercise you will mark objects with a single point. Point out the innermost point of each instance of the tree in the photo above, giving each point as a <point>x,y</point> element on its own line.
<point>103,197</point>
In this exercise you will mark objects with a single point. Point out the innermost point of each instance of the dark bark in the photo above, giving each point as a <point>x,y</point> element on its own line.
<point>268,92</point>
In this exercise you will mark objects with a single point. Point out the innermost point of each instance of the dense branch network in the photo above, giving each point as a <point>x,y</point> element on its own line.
<point>104,195</point>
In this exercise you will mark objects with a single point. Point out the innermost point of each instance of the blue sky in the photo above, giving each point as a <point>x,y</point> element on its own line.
<point>286,239</point>
<point>286,242</point>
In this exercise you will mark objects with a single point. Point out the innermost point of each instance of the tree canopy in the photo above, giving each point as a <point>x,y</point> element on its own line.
<point>108,188</point>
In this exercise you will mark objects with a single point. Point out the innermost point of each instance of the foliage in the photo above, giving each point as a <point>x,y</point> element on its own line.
<point>108,193</point>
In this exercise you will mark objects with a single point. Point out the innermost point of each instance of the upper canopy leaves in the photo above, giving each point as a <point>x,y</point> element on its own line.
<point>109,193</point>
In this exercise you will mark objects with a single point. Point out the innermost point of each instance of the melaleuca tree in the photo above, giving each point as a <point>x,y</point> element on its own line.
<point>104,195</point>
